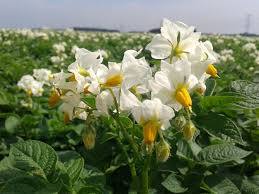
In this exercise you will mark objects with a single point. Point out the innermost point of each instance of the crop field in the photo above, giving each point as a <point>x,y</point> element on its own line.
<point>99,112</point>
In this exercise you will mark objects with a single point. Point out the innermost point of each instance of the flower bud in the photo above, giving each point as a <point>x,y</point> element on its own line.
<point>201,88</point>
<point>89,138</point>
<point>179,122</point>
<point>162,151</point>
<point>189,130</point>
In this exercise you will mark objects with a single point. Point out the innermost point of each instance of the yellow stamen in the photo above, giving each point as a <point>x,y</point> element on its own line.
<point>54,98</point>
<point>178,51</point>
<point>183,97</point>
<point>72,78</point>
<point>86,91</point>
<point>114,80</point>
<point>66,118</point>
<point>149,131</point>
<point>83,72</point>
<point>211,70</point>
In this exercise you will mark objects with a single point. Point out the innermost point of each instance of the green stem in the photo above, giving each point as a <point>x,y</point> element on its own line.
<point>124,132</point>
<point>131,165</point>
<point>145,175</point>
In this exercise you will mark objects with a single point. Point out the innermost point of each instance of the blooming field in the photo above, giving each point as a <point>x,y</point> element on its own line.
<point>128,112</point>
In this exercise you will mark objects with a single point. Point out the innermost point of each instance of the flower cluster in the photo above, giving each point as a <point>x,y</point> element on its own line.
<point>33,85</point>
<point>131,87</point>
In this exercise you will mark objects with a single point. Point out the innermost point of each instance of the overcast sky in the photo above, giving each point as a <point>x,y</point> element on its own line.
<point>218,16</point>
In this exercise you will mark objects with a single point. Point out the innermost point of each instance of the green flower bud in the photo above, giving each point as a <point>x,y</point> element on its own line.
<point>89,136</point>
<point>162,151</point>
<point>179,122</point>
<point>189,130</point>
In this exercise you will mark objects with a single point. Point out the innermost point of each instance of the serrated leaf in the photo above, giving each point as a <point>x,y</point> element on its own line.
<point>221,185</point>
<point>172,184</point>
<point>34,156</point>
<point>221,153</point>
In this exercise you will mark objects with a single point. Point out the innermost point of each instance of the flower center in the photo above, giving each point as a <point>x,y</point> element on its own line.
<point>82,71</point>
<point>183,97</point>
<point>72,78</point>
<point>114,80</point>
<point>211,70</point>
<point>178,51</point>
<point>150,129</point>
<point>54,98</point>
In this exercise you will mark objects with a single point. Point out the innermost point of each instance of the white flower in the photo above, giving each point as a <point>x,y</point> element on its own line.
<point>104,101</point>
<point>59,47</point>
<point>71,101</point>
<point>74,49</point>
<point>83,68</point>
<point>31,86</point>
<point>201,85</point>
<point>175,41</point>
<point>80,112</point>
<point>131,73</point>
<point>201,58</point>
<point>173,83</point>
<point>249,47</point>
<point>42,75</point>
<point>64,81</point>
<point>152,115</point>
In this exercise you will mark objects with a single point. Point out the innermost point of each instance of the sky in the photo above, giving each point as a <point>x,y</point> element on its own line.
<point>209,16</point>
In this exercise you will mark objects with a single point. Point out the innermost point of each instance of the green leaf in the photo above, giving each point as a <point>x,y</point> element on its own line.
<point>249,187</point>
<point>126,122</point>
<point>11,123</point>
<point>221,127</point>
<point>90,101</point>
<point>34,156</point>
<point>74,168</point>
<point>209,102</point>
<point>29,185</point>
<point>172,184</point>
<point>221,153</point>
<point>90,177</point>
<point>91,190</point>
<point>221,185</point>
<point>249,91</point>
<point>4,98</point>
<point>185,150</point>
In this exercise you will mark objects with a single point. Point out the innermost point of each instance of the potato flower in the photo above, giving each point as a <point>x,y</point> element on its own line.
<point>173,84</point>
<point>42,75</point>
<point>30,85</point>
<point>152,115</point>
<point>175,41</point>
